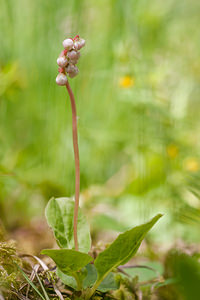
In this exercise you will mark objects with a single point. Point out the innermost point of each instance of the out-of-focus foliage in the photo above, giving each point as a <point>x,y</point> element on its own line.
<point>185,270</point>
<point>9,275</point>
<point>137,98</point>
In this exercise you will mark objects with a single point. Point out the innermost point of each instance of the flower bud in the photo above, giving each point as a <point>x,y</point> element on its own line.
<point>82,43</point>
<point>61,79</point>
<point>79,44</point>
<point>72,70</point>
<point>62,61</point>
<point>73,61</point>
<point>73,54</point>
<point>68,44</point>
<point>73,74</point>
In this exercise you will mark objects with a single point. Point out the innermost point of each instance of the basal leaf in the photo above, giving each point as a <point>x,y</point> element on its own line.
<point>67,260</point>
<point>108,284</point>
<point>59,214</point>
<point>67,279</point>
<point>88,281</point>
<point>91,276</point>
<point>122,249</point>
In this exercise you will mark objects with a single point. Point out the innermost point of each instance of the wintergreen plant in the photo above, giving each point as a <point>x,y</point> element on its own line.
<point>67,61</point>
<point>75,267</point>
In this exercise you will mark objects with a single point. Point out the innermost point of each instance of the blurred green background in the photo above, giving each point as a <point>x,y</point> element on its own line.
<point>138,105</point>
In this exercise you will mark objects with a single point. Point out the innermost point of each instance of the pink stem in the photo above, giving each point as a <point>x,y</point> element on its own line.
<point>77,165</point>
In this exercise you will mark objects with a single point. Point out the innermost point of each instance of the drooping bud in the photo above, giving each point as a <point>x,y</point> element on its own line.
<point>61,79</point>
<point>73,74</point>
<point>68,59</point>
<point>73,54</point>
<point>73,57</point>
<point>79,44</point>
<point>68,44</point>
<point>82,43</point>
<point>62,61</point>
<point>72,70</point>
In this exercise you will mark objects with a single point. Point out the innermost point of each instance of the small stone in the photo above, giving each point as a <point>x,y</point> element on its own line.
<point>61,79</point>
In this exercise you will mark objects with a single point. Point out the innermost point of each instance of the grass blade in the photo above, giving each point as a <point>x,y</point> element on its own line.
<point>42,287</point>
<point>31,283</point>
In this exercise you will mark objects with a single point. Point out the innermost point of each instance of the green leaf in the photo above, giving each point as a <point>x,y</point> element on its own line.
<point>68,261</point>
<point>108,284</point>
<point>91,276</point>
<point>146,272</point>
<point>187,271</point>
<point>59,214</point>
<point>88,281</point>
<point>122,249</point>
<point>66,279</point>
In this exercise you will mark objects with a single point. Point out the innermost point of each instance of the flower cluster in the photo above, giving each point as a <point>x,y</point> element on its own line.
<point>68,59</point>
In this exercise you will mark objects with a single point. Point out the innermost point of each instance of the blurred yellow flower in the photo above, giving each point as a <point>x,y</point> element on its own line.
<point>191,164</point>
<point>172,151</point>
<point>126,81</point>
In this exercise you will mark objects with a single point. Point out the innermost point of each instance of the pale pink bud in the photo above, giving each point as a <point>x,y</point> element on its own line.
<point>68,44</point>
<point>72,70</point>
<point>73,61</point>
<point>79,44</point>
<point>82,43</point>
<point>61,79</point>
<point>62,61</point>
<point>76,45</point>
<point>73,54</point>
<point>73,74</point>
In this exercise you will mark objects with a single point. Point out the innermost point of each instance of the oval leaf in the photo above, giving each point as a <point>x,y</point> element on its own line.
<point>66,279</point>
<point>108,284</point>
<point>88,281</point>
<point>68,261</point>
<point>59,214</point>
<point>91,276</point>
<point>122,249</point>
